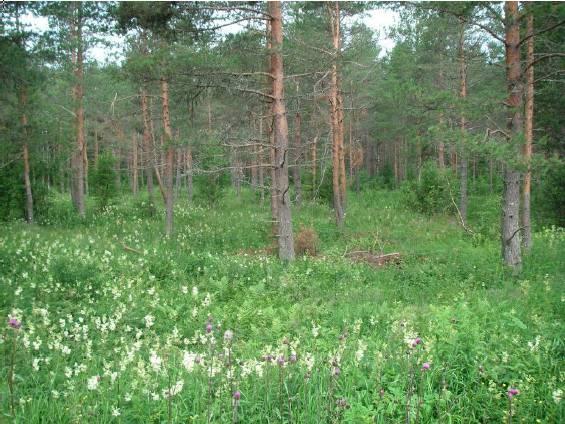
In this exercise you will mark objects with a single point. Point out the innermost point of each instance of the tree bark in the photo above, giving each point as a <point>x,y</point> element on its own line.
<point>260,161</point>
<point>189,186</point>
<point>77,161</point>
<point>168,141</point>
<point>297,158</point>
<point>463,162</point>
<point>280,135</point>
<point>529,134</point>
<point>147,143</point>
<point>336,121</point>
<point>511,252</point>
<point>134,183</point>
<point>27,180</point>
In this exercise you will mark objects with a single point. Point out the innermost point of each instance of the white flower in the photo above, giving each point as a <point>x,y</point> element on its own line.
<point>557,395</point>
<point>189,360</point>
<point>361,348</point>
<point>35,364</point>
<point>173,391</point>
<point>92,382</point>
<point>184,289</point>
<point>127,397</point>
<point>149,320</point>
<point>116,412</point>
<point>228,336</point>
<point>194,291</point>
<point>55,394</point>
<point>155,361</point>
<point>315,330</point>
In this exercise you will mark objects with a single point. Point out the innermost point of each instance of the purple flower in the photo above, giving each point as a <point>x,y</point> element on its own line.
<point>280,360</point>
<point>336,372</point>
<point>14,323</point>
<point>513,392</point>
<point>416,342</point>
<point>292,358</point>
<point>425,366</point>
<point>209,328</point>
<point>237,395</point>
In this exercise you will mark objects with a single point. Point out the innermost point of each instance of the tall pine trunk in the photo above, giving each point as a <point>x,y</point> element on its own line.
<point>463,162</point>
<point>336,121</point>
<point>27,180</point>
<point>147,143</point>
<point>529,134</point>
<point>297,158</point>
<point>77,160</point>
<point>280,136</point>
<point>170,154</point>
<point>510,239</point>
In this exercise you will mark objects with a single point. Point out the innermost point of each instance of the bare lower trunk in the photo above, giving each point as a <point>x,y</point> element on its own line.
<point>77,161</point>
<point>314,159</point>
<point>147,143</point>
<point>178,173</point>
<point>260,162</point>
<point>529,135</point>
<point>297,158</point>
<point>511,252</point>
<point>463,164</point>
<point>280,135</point>
<point>336,121</point>
<point>189,187</point>
<point>134,183</point>
<point>168,141</point>
<point>27,180</point>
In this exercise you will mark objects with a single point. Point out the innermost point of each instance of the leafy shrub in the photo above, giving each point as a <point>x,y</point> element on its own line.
<point>433,192</point>
<point>549,198</point>
<point>103,180</point>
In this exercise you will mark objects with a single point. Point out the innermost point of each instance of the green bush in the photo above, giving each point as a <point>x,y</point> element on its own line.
<point>433,192</point>
<point>103,180</point>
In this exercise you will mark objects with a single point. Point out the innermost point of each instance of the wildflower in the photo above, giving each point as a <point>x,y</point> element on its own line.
<point>237,395</point>
<point>92,382</point>
<point>512,392</point>
<point>292,358</point>
<point>416,341</point>
<point>14,323</point>
<point>116,412</point>
<point>189,360</point>
<point>184,289</point>
<point>209,328</point>
<point>173,391</point>
<point>280,361</point>
<point>425,366</point>
<point>228,336</point>
<point>315,329</point>
<point>155,361</point>
<point>149,320</point>
<point>336,372</point>
<point>557,395</point>
<point>194,291</point>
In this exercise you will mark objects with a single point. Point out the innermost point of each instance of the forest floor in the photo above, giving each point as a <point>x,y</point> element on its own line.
<point>120,324</point>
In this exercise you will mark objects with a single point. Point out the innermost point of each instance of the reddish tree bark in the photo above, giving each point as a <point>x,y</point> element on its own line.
<point>529,134</point>
<point>511,252</point>
<point>280,136</point>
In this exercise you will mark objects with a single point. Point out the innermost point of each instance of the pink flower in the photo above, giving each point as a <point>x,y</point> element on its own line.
<point>425,366</point>
<point>513,392</point>
<point>416,342</point>
<point>14,323</point>
<point>237,395</point>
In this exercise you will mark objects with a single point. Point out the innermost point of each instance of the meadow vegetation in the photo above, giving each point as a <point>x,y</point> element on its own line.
<point>107,320</point>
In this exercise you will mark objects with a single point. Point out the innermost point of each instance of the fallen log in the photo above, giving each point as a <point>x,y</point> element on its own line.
<point>374,260</point>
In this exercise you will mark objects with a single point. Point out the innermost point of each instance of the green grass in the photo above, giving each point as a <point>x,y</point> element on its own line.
<point>85,290</point>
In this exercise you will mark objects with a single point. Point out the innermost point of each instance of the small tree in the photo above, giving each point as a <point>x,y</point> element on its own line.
<point>103,180</point>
